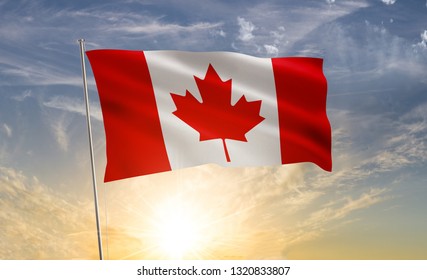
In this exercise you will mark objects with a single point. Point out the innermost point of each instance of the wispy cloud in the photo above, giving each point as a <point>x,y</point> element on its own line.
<point>30,74</point>
<point>59,128</point>
<point>401,145</point>
<point>38,223</point>
<point>405,146</point>
<point>33,55</point>
<point>282,26</point>
<point>60,120</point>
<point>389,55</point>
<point>334,211</point>
<point>159,28</point>
<point>7,130</point>
<point>74,105</point>
<point>21,97</point>
<point>389,2</point>
<point>328,217</point>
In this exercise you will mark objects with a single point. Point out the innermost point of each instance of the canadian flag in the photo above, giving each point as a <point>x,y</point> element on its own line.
<point>165,110</point>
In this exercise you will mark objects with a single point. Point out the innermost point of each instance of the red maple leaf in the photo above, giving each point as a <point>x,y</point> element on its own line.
<point>215,117</point>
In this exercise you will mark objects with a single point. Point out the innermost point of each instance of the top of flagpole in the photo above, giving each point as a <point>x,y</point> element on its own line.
<point>81,43</point>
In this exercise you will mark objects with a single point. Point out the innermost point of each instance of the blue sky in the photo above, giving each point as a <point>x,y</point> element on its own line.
<point>372,205</point>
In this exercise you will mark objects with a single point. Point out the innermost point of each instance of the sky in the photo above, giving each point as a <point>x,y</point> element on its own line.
<point>371,206</point>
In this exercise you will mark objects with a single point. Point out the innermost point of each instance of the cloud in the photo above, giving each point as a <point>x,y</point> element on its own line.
<point>245,29</point>
<point>42,49</point>
<point>423,44</point>
<point>220,33</point>
<point>157,28</point>
<point>408,143</point>
<point>365,200</point>
<point>7,130</point>
<point>279,35</point>
<point>323,219</point>
<point>335,211</point>
<point>389,2</point>
<point>271,50</point>
<point>135,23</point>
<point>269,21</point>
<point>17,68</point>
<point>24,95</point>
<point>399,145</point>
<point>364,167</point>
<point>59,128</point>
<point>61,121</point>
<point>365,53</point>
<point>404,146</point>
<point>38,223</point>
<point>74,105</point>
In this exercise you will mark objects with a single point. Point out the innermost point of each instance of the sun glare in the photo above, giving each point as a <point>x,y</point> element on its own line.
<point>178,236</point>
<point>177,231</point>
<point>183,226</point>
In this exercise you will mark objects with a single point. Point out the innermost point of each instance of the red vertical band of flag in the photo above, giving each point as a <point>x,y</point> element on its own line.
<point>129,110</point>
<point>305,132</point>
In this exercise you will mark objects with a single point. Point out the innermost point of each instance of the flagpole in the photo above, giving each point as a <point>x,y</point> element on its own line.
<point>92,158</point>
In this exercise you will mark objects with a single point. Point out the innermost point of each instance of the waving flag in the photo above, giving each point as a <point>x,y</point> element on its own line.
<point>165,110</point>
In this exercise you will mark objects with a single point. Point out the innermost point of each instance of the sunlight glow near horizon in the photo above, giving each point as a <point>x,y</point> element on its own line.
<point>178,235</point>
<point>177,230</point>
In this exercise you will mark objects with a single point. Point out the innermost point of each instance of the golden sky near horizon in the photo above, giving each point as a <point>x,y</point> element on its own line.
<point>180,215</point>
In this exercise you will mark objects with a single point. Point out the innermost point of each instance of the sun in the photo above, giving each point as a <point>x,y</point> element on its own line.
<point>185,225</point>
<point>178,236</point>
<point>177,231</point>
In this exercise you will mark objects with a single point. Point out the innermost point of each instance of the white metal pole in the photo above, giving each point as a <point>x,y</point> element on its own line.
<point>92,158</point>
